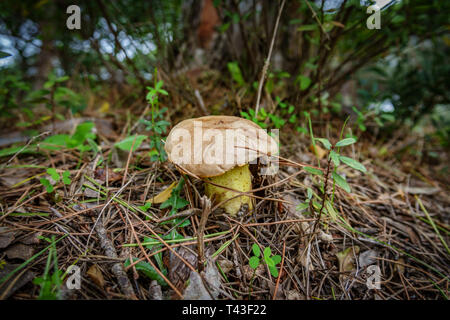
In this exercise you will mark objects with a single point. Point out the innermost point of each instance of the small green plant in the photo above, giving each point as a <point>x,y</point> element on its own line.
<point>54,94</point>
<point>258,119</point>
<point>65,178</point>
<point>148,270</point>
<point>176,202</point>
<point>83,139</point>
<point>157,125</point>
<point>50,283</point>
<point>236,74</point>
<point>270,260</point>
<point>333,158</point>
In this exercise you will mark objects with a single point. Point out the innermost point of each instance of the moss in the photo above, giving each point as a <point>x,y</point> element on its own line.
<point>239,179</point>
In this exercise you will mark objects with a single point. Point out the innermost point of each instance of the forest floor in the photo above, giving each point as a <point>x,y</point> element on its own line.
<point>394,223</point>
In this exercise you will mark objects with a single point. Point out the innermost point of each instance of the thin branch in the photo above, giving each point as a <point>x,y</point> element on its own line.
<point>266,63</point>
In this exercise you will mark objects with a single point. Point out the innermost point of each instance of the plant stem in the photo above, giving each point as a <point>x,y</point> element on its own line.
<point>324,192</point>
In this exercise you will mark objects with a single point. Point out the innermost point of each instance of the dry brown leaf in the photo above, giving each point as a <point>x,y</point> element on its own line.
<point>400,266</point>
<point>338,24</point>
<point>96,275</point>
<point>6,237</point>
<point>304,259</point>
<point>318,151</point>
<point>346,259</point>
<point>164,195</point>
<point>19,251</point>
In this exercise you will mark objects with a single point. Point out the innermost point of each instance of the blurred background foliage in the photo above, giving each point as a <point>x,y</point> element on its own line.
<point>325,62</point>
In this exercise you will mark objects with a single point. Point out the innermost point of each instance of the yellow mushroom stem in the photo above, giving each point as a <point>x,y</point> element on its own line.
<point>239,179</point>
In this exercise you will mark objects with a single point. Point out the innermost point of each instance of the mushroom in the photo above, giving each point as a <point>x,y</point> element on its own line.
<point>219,149</point>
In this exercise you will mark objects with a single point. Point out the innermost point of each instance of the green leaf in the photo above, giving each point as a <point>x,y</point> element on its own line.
<point>353,163</point>
<point>48,84</point>
<point>65,177</point>
<point>48,186</point>
<point>276,259</point>
<point>335,158</point>
<point>62,79</point>
<point>147,269</point>
<point>345,142</point>
<point>256,250</point>
<point>267,252</point>
<point>253,262</point>
<point>273,271</point>
<point>269,261</point>
<point>236,74</point>
<point>313,170</point>
<point>126,143</point>
<point>302,206</point>
<point>55,142</point>
<point>4,55</point>
<point>307,27</point>
<point>82,132</point>
<point>11,151</point>
<point>340,181</point>
<point>176,202</point>
<point>309,193</point>
<point>304,82</point>
<point>325,142</point>
<point>52,172</point>
<point>331,210</point>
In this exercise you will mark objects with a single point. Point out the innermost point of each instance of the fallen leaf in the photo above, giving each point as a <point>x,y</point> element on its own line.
<point>155,291</point>
<point>104,107</point>
<point>19,251</point>
<point>32,238</point>
<point>417,190</point>
<point>318,151</point>
<point>96,275</point>
<point>6,237</point>
<point>304,259</point>
<point>226,265</point>
<point>196,289</point>
<point>338,24</point>
<point>294,295</point>
<point>5,290</point>
<point>367,258</point>
<point>179,272</point>
<point>164,195</point>
<point>400,266</point>
<point>346,259</point>
<point>101,174</point>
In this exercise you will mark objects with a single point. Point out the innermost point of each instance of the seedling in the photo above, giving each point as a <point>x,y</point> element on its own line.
<point>50,283</point>
<point>270,260</point>
<point>157,125</point>
<point>55,176</point>
<point>176,202</point>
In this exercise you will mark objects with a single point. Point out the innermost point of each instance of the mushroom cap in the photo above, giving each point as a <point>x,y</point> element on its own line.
<point>210,146</point>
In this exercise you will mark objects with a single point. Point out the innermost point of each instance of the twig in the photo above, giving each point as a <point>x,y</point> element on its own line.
<point>281,272</point>
<point>117,268</point>
<point>206,206</point>
<point>324,194</point>
<point>266,63</point>
<point>200,102</point>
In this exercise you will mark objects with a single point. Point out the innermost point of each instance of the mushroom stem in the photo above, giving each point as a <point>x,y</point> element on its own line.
<point>239,179</point>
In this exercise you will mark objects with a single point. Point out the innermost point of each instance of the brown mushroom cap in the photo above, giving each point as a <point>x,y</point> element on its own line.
<point>212,145</point>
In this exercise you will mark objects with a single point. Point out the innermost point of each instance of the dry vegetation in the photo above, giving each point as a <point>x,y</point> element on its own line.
<point>396,218</point>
